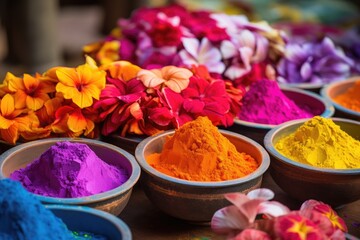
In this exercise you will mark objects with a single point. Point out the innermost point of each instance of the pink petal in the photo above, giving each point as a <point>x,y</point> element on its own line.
<point>191,45</point>
<point>228,49</point>
<point>261,51</point>
<point>263,193</point>
<point>273,208</point>
<point>150,78</point>
<point>252,234</point>
<point>247,39</point>
<point>228,219</point>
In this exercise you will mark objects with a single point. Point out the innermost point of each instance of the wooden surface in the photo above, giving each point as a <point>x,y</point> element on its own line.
<point>148,222</point>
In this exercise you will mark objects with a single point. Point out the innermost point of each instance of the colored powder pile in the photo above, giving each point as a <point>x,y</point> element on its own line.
<point>199,152</point>
<point>69,170</point>
<point>23,217</point>
<point>265,103</point>
<point>350,98</point>
<point>319,142</point>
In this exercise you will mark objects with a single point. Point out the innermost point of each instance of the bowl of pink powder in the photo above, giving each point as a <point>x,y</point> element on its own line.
<point>345,96</point>
<point>266,105</point>
<point>72,171</point>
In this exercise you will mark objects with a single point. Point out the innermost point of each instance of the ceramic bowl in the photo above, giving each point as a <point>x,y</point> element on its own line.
<point>302,181</point>
<point>192,201</point>
<point>85,219</point>
<point>304,99</point>
<point>112,201</point>
<point>332,90</point>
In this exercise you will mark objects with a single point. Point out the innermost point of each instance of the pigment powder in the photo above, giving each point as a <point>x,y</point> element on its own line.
<point>319,142</point>
<point>265,103</point>
<point>23,217</point>
<point>199,152</point>
<point>69,170</point>
<point>350,98</point>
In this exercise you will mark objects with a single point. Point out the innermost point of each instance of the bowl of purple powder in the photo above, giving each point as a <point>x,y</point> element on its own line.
<point>71,171</point>
<point>266,105</point>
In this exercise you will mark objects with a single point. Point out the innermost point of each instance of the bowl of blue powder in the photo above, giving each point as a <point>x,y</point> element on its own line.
<point>24,217</point>
<point>69,171</point>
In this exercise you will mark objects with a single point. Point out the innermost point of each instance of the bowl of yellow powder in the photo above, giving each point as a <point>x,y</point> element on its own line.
<point>317,158</point>
<point>345,96</point>
<point>186,172</point>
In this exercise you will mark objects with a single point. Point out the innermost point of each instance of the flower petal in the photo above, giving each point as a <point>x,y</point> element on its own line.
<point>7,105</point>
<point>77,121</point>
<point>228,219</point>
<point>150,78</point>
<point>191,45</point>
<point>263,193</point>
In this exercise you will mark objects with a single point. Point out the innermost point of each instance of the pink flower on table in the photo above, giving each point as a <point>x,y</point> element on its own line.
<point>332,224</point>
<point>252,234</point>
<point>201,53</point>
<point>241,215</point>
<point>297,227</point>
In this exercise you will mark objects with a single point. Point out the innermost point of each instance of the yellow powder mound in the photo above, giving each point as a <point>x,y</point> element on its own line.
<point>319,142</point>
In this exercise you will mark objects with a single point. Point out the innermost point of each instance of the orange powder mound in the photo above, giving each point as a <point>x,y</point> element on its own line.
<point>199,152</point>
<point>351,98</point>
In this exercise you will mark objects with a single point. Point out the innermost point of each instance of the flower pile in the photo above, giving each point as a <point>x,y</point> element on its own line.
<point>228,45</point>
<point>254,216</point>
<point>118,97</point>
<point>172,35</point>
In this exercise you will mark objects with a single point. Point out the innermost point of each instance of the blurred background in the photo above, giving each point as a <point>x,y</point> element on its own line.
<point>38,34</point>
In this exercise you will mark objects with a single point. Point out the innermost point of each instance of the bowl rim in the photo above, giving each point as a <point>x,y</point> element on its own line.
<point>152,171</point>
<point>274,153</point>
<point>119,224</point>
<point>324,92</point>
<point>328,112</point>
<point>126,186</point>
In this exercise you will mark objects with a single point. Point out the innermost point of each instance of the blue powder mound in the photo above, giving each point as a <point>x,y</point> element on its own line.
<point>23,217</point>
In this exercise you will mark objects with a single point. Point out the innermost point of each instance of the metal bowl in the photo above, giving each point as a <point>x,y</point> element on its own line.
<point>85,219</point>
<point>332,90</point>
<point>304,99</point>
<point>302,181</point>
<point>192,201</point>
<point>112,201</point>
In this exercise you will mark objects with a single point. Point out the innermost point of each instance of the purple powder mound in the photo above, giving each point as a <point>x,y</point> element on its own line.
<point>265,103</point>
<point>69,170</point>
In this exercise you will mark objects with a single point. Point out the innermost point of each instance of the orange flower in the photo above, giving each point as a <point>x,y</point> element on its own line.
<point>71,122</point>
<point>122,70</point>
<point>11,121</point>
<point>30,92</point>
<point>80,84</point>
<point>175,78</point>
<point>107,52</point>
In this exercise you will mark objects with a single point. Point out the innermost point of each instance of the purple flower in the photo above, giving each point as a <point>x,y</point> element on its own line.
<point>313,62</point>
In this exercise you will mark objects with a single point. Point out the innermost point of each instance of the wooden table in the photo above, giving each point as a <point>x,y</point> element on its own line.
<point>148,222</point>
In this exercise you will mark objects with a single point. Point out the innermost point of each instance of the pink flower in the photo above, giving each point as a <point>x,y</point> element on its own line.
<point>252,234</point>
<point>245,208</point>
<point>201,53</point>
<point>165,31</point>
<point>297,227</point>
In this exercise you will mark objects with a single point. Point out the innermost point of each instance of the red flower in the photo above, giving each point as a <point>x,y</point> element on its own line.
<point>165,31</point>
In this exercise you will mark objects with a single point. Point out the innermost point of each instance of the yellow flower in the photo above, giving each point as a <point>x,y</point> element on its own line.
<point>122,70</point>
<point>11,122</point>
<point>80,84</point>
<point>30,92</point>
<point>106,52</point>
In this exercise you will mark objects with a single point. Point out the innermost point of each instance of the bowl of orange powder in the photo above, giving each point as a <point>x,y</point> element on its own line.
<point>187,171</point>
<point>345,96</point>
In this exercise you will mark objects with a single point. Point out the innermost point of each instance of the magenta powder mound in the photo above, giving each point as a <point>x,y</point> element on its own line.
<point>69,170</point>
<point>265,103</point>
